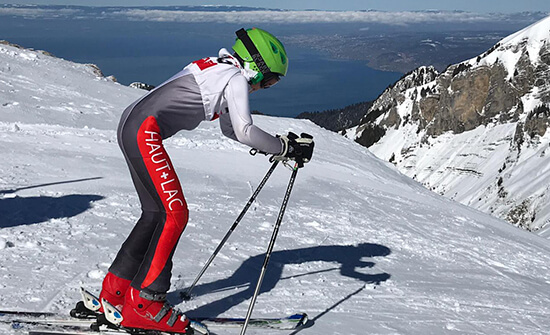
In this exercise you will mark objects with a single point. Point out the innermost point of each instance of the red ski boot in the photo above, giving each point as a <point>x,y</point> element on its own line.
<point>113,290</point>
<point>144,311</point>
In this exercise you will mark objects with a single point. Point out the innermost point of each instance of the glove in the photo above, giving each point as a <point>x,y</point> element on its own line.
<point>298,149</point>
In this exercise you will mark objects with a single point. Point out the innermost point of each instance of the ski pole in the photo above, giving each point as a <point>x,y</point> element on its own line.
<point>187,294</point>
<point>270,248</point>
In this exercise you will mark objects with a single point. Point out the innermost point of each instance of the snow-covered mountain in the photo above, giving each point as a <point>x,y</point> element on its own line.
<point>35,89</point>
<point>362,249</point>
<point>476,133</point>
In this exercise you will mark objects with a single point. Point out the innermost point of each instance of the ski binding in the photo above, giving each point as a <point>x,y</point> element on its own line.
<point>88,308</point>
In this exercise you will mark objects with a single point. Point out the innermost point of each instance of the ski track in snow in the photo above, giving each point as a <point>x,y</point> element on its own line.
<point>362,249</point>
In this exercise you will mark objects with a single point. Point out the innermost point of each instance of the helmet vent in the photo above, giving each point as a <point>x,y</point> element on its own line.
<point>274,48</point>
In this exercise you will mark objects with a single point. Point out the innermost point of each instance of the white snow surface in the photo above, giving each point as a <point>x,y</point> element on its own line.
<point>362,248</point>
<point>533,38</point>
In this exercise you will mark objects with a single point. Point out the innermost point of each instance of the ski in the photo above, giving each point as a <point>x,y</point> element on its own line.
<point>53,332</point>
<point>81,332</point>
<point>89,332</point>
<point>47,332</point>
<point>54,327</point>
<point>285,323</point>
<point>51,323</point>
<point>120,331</point>
<point>26,314</point>
<point>28,320</point>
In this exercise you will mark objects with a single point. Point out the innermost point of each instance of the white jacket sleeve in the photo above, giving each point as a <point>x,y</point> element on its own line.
<point>237,124</point>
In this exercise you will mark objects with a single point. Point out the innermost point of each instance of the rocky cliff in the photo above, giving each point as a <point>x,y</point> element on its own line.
<point>477,132</point>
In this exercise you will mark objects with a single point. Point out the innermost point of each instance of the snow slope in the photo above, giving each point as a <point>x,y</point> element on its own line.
<point>39,88</point>
<point>362,249</point>
<point>534,38</point>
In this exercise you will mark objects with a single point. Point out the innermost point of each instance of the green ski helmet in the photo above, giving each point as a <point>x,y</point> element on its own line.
<point>261,52</point>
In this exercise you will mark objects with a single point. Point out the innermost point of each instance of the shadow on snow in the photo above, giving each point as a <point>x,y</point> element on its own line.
<point>349,257</point>
<point>16,211</point>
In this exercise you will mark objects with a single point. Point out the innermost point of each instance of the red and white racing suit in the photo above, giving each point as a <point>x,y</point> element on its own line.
<point>205,90</point>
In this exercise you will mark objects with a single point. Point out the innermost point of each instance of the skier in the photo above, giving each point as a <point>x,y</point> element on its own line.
<point>207,89</point>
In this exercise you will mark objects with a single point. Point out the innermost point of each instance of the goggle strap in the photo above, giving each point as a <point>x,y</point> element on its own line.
<point>252,50</point>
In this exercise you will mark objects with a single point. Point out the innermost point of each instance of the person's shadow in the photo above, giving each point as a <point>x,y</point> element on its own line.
<point>29,210</point>
<point>16,210</point>
<point>349,258</point>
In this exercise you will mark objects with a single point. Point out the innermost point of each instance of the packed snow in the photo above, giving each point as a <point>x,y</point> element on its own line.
<point>362,249</point>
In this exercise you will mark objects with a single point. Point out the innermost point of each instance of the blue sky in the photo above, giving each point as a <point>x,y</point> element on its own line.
<point>500,6</point>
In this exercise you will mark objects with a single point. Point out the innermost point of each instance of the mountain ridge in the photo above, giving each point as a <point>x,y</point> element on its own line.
<point>500,98</point>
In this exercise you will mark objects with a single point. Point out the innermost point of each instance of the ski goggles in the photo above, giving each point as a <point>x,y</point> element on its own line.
<point>270,79</point>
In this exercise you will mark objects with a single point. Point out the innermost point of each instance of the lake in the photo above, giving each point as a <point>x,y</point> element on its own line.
<point>151,52</point>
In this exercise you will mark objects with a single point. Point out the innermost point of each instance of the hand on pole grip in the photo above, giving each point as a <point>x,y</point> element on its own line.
<point>296,148</point>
